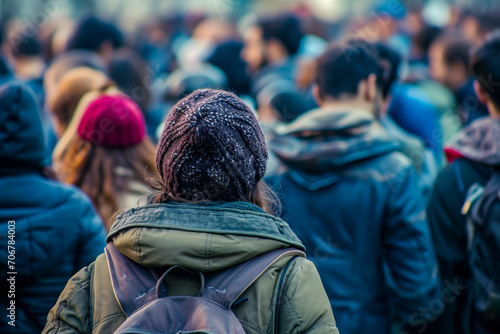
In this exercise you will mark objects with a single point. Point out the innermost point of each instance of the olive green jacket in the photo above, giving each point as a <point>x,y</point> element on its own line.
<point>205,238</point>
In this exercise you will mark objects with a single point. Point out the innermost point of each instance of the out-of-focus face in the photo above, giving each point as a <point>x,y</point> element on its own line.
<point>254,50</point>
<point>439,70</point>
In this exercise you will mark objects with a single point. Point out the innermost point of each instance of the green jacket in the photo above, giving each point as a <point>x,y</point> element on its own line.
<point>205,238</point>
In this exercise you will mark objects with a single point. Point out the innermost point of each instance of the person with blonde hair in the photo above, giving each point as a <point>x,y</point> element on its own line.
<point>65,97</point>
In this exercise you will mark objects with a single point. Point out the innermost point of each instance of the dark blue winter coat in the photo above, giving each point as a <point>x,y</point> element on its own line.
<point>57,231</point>
<point>355,203</point>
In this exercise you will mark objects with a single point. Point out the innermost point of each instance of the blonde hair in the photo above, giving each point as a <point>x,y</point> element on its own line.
<point>70,90</point>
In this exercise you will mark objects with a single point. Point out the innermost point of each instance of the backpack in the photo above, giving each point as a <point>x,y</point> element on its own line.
<point>144,298</point>
<point>482,208</point>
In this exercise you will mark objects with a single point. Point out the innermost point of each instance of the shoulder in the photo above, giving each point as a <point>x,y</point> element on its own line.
<point>463,173</point>
<point>69,197</point>
<point>387,167</point>
<point>72,308</point>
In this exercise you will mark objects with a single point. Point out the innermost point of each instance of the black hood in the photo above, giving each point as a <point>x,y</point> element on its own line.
<point>22,143</point>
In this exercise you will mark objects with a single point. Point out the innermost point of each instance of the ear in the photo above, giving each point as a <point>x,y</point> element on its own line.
<point>481,94</point>
<point>317,97</point>
<point>367,89</point>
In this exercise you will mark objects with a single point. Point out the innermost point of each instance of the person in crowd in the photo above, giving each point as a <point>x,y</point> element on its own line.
<point>67,61</point>
<point>56,230</point>
<point>27,58</point>
<point>211,159</point>
<point>270,48</point>
<point>108,155</point>
<point>354,200</point>
<point>67,95</point>
<point>475,25</point>
<point>25,54</point>
<point>449,65</point>
<point>226,56</point>
<point>185,80</point>
<point>474,158</point>
<point>136,79</point>
<point>433,127</point>
<point>412,146</point>
<point>98,36</point>
<point>418,62</point>
<point>280,103</point>
<point>133,76</point>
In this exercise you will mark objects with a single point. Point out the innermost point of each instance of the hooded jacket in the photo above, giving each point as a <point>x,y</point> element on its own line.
<point>206,238</point>
<point>474,155</point>
<point>57,231</point>
<point>355,203</point>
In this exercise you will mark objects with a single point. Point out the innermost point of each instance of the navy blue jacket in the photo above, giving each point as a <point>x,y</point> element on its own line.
<point>355,203</point>
<point>57,231</point>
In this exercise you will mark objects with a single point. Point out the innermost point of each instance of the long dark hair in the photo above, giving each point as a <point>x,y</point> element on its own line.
<point>261,195</point>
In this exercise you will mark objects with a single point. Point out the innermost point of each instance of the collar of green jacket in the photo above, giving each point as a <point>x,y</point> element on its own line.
<point>207,237</point>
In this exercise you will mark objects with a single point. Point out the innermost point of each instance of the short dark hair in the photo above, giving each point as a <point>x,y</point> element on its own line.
<point>425,37</point>
<point>129,71</point>
<point>486,66</point>
<point>456,49</point>
<point>92,32</point>
<point>285,28</point>
<point>389,61</point>
<point>342,67</point>
<point>27,46</point>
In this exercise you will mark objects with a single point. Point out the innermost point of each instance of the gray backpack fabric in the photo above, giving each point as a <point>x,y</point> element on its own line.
<point>144,298</point>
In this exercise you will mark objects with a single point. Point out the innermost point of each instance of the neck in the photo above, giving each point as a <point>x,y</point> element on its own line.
<point>457,84</point>
<point>493,110</point>
<point>346,104</point>
<point>277,57</point>
<point>29,67</point>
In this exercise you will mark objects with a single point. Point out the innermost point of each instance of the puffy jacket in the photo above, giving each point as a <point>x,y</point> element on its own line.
<point>475,156</point>
<point>355,203</point>
<point>57,231</point>
<point>205,238</point>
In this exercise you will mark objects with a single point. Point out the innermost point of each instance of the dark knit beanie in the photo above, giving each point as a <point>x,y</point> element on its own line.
<point>212,148</point>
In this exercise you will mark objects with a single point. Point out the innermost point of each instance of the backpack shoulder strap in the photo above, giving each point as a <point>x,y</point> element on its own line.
<point>226,286</point>
<point>133,285</point>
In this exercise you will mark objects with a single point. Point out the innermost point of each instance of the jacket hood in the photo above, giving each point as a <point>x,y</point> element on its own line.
<point>21,134</point>
<point>323,140</point>
<point>202,237</point>
<point>480,142</point>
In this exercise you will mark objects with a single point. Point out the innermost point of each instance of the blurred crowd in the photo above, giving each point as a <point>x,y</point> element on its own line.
<point>374,131</point>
